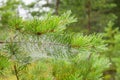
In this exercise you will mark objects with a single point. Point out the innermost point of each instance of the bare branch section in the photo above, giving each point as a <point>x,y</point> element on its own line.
<point>46,43</point>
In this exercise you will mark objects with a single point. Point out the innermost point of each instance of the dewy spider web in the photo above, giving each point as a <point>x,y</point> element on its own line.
<point>41,47</point>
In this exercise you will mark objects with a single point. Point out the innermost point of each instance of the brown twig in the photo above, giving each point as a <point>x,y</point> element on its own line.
<point>16,72</point>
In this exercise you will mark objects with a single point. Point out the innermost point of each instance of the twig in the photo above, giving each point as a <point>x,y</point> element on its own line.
<point>16,72</point>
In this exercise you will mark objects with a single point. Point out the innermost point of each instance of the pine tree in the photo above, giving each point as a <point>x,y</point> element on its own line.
<point>8,9</point>
<point>42,49</point>
<point>93,15</point>
<point>111,37</point>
